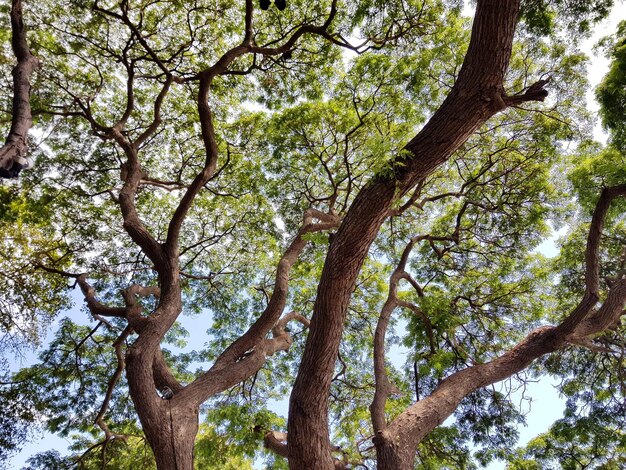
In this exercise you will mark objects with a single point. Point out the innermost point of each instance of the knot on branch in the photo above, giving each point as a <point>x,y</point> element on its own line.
<point>281,339</point>
<point>166,393</point>
<point>13,164</point>
<point>131,293</point>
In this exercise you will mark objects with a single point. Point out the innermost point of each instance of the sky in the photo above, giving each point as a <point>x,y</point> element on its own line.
<point>545,404</point>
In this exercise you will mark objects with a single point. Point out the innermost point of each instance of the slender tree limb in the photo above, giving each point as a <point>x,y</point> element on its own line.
<point>121,363</point>
<point>156,121</point>
<point>301,31</point>
<point>422,316</point>
<point>207,133</point>
<point>383,386</point>
<point>123,17</point>
<point>206,116</point>
<point>132,223</point>
<point>592,260</point>
<point>278,298</point>
<point>13,152</point>
<point>223,374</point>
<point>396,445</point>
<point>96,307</point>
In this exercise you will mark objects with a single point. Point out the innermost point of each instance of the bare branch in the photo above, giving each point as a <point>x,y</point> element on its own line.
<point>121,363</point>
<point>592,260</point>
<point>96,307</point>
<point>211,149</point>
<point>154,125</point>
<point>383,386</point>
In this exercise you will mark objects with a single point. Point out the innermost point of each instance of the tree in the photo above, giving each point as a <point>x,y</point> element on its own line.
<point>159,190</point>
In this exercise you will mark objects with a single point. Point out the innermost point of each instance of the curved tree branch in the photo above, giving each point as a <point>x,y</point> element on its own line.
<point>119,354</point>
<point>592,260</point>
<point>96,307</point>
<point>224,372</point>
<point>396,444</point>
<point>475,97</point>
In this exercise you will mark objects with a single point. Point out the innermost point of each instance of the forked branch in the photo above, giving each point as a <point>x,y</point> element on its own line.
<point>397,443</point>
<point>230,367</point>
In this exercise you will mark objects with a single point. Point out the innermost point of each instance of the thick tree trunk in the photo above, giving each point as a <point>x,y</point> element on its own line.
<point>14,150</point>
<point>389,455</point>
<point>309,444</point>
<point>170,425</point>
<point>477,95</point>
<point>173,440</point>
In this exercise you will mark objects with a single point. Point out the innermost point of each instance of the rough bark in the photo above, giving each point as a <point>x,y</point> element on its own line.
<point>247,354</point>
<point>170,427</point>
<point>396,444</point>
<point>13,153</point>
<point>171,424</point>
<point>476,96</point>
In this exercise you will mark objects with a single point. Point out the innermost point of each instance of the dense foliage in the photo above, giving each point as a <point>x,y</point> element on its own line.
<point>304,128</point>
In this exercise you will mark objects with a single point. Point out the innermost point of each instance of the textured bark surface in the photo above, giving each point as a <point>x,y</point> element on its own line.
<point>170,427</point>
<point>476,96</point>
<point>396,444</point>
<point>21,119</point>
<point>167,409</point>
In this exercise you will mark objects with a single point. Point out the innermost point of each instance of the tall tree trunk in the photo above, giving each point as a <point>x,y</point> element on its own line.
<point>170,425</point>
<point>477,95</point>
<point>15,146</point>
<point>390,456</point>
<point>172,440</point>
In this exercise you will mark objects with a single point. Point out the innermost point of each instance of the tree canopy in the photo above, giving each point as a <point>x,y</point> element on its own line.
<point>327,188</point>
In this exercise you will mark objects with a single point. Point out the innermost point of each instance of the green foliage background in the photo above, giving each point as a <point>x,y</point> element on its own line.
<point>304,131</point>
